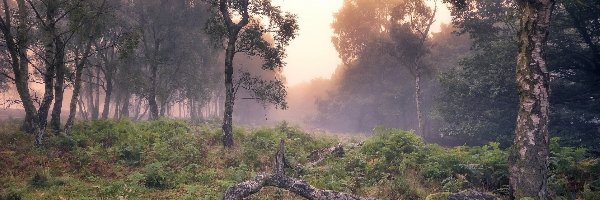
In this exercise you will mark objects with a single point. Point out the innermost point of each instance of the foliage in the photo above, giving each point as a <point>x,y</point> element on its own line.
<point>478,97</point>
<point>170,159</point>
<point>383,48</point>
<point>155,176</point>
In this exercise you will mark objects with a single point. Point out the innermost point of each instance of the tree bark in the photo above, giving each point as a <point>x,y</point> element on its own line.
<point>418,99</point>
<point>109,90</point>
<point>233,30</point>
<point>229,95</point>
<point>82,109</point>
<point>76,88</point>
<point>59,88</point>
<point>17,46</point>
<point>125,109</point>
<point>96,108</point>
<point>529,156</point>
<point>48,78</point>
<point>317,156</point>
<point>117,111</point>
<point>89,89</point>
<point>280,180</point>
<point>152,96</point>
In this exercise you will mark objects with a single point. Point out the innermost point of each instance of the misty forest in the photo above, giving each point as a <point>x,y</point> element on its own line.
<point>241,99</point>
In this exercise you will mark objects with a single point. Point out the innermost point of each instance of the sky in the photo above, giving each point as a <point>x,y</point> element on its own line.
<point>312,55</point>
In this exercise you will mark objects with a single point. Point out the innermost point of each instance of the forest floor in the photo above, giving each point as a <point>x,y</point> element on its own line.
<point>168,159</point>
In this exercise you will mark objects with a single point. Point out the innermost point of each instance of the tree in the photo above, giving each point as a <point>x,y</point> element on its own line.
<point>248,36</point>
<point>528,163</point>
<point>411,21</point>
<point>37,35</point>
<point>486,76</point>
<point>529,156</point>
<point>15,35</point>
<point>382,44</point>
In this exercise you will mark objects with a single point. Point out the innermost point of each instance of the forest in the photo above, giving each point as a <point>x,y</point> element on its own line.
<point>195,99</point>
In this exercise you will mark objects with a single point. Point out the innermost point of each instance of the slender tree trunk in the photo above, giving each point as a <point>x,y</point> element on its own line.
<point>125,109</point>
<point>48,90</point>
<point>233,30</point>
<point>89,106</point>
<point>80,63</point>
<point>418,101</point>
<point>59,88</point>
<point>96,108</point>
<point>143,114</point>
<point>82,109</point>
<point>154,113</point>
<point>17,46</point>
<point>137,108</point>
<point>229,94</point>
<point>164,108</point>
<point>192,110</point>
<point>109,90</point>
<point>117,111</point>
<point>529,157</point>
<point>74,100</point>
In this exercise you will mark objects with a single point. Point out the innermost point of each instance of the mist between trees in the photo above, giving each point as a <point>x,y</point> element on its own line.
<point>205,60</point>
<point>146,60</point>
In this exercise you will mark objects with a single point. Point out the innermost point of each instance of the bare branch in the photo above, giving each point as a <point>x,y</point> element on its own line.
<point>280,180</point>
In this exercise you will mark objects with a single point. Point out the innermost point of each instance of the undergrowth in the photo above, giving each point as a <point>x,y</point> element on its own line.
<point>168,159</point>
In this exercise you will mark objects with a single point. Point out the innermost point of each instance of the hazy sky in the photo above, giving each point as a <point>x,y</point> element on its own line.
<point>312,55</point>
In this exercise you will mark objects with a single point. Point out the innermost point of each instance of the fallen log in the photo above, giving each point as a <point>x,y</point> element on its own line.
<point>317,156</point>
<point>278,179</point>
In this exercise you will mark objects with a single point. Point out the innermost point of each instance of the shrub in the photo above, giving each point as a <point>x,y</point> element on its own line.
<point>155,176</point>
<point>39,179</point>
<point>130,154</point>
<point>392,150</point>
<point>12,195</point>
<point>62,143</point>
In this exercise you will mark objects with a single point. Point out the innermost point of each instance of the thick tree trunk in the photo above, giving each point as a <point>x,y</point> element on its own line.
<point>529,157</point>
<point>229,94</point>
<point>280,180</point>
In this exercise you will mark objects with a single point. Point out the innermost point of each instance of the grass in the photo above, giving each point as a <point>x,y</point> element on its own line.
<point>168,159</point>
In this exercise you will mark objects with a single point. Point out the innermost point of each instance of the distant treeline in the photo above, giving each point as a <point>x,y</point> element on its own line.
<point>467,82</point>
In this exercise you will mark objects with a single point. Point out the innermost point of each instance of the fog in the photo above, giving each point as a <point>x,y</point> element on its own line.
<point>444,73</point>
